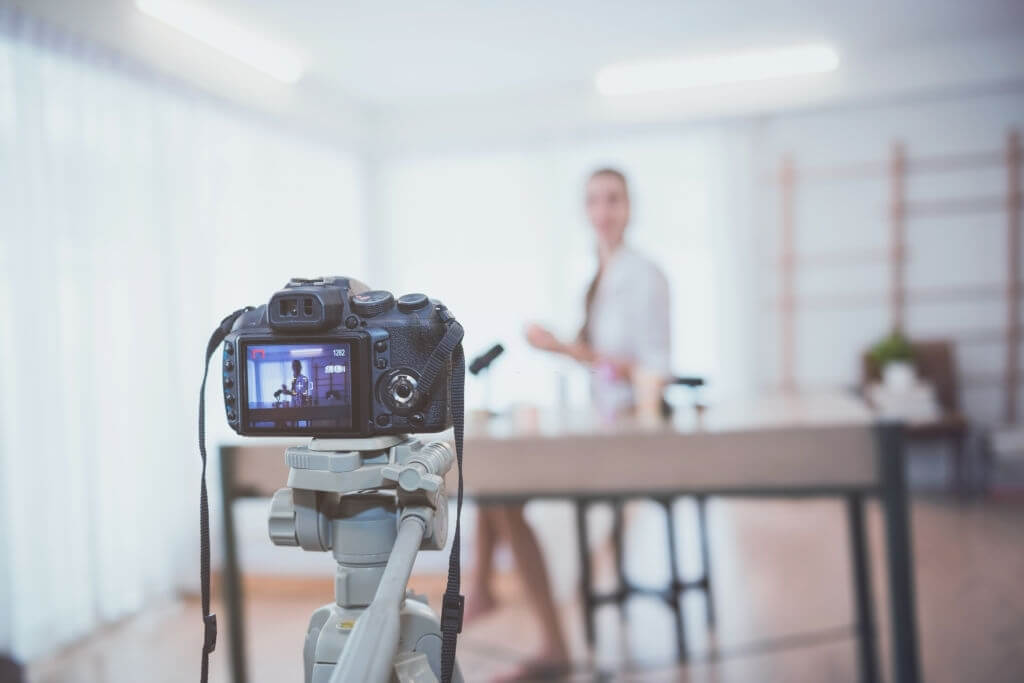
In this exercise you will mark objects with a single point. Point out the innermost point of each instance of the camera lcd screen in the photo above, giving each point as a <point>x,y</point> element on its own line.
<point>298,387</point>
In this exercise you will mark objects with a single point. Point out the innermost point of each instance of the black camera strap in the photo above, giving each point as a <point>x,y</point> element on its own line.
<point>209,620</point>
<point>450,349</point>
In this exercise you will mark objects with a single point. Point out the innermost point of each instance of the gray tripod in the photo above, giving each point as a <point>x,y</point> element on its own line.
<point>374,503</point>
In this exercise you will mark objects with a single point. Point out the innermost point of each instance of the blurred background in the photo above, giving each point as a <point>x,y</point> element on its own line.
<point>163,163</point>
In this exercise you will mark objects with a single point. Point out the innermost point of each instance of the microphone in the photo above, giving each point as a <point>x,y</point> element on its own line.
<point>484,360</point>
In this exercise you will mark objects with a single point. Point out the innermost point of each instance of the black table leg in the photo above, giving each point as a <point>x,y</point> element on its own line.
<point>674,595</point>
<point>863,607</point>
<point>705,557</point>
<point>586,586</point>
<point>231,581</point>
<point>899,553</point>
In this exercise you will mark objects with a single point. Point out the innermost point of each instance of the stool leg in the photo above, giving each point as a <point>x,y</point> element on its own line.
<point>705,557</point>
<point>675,581</point>
<point>618,540</point>
<point>963,481</point>
<point>586,586</point>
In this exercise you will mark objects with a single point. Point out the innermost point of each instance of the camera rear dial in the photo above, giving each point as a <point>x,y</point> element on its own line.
<point>400,391</point>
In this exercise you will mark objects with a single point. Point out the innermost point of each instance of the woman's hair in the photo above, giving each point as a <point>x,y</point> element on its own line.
<point>588,302</point>
<point>613,173</point>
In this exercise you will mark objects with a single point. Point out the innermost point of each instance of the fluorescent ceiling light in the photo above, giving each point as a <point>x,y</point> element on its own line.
<point>740,67</point>
<point>303,353</point>
<point>221,34</point>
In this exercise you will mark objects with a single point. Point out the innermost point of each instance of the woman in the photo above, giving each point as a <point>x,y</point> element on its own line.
<point>625,341</point>
<point>625,333</point>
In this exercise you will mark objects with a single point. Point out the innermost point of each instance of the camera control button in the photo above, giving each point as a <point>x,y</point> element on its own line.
<point>380,346</point>
<point>381,363</point>
<point>408,303</point>
<point>229,365</point>
<point>229,397</point>
<point>371,303</point>
<point>229,382</point>
<point>229,349</point>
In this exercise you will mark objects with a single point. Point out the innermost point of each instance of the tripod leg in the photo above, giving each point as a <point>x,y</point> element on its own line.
<point>316,624</point>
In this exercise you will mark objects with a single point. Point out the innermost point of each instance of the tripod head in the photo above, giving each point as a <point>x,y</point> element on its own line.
<point>374,503</point>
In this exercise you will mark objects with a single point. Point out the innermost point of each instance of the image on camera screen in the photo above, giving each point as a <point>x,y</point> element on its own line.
<point>299,386</point>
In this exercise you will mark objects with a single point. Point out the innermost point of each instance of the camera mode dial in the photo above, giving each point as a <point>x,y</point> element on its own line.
<point>369,304</point>
<point>412,302</point>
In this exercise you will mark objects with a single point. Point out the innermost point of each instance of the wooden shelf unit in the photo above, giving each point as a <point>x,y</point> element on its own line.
<point>896,171</point>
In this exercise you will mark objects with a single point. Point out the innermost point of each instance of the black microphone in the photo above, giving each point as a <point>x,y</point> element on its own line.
<point>482,361</point>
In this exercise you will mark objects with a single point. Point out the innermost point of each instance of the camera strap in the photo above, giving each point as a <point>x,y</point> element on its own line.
<point>209,620</point>
<point>450,349</point>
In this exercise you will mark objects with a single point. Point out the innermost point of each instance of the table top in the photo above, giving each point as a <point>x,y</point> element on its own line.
<point>785,444</point>
<point>781,444</point>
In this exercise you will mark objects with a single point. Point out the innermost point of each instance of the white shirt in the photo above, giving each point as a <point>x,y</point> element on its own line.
<point>629,320</point>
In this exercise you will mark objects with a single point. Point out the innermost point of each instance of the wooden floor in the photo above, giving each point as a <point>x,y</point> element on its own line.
<point>781,573</point>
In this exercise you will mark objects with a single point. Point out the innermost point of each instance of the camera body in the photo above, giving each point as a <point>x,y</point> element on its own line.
<point>329,357</point>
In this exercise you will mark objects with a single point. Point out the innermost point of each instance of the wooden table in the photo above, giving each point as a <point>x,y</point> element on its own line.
<point>778,447</point>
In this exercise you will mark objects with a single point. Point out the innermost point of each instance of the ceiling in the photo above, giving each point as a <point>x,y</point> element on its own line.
<point>398,75</point>
<point>381,52</point>
<point>385,53</point>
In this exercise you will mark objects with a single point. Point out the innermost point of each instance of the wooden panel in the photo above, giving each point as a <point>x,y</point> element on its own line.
<point>897,237</point>
<point>787,277</point>
<point>1013,281</point>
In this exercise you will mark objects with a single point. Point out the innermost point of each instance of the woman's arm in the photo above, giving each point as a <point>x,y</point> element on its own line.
<point>541,338</point>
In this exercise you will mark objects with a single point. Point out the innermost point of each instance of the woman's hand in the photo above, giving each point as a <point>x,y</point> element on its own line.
<point>615,368</point>
<point>542,338</point>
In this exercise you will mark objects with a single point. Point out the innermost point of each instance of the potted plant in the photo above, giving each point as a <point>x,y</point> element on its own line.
<point>893,359</point>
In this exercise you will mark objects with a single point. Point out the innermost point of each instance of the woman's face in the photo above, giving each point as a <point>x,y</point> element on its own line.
<point>607,208</point>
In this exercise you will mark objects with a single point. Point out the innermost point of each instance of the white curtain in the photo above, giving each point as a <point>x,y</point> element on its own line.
<point>133,216</point>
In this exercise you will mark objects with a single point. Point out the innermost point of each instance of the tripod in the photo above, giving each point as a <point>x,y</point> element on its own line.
<point>374,503</point>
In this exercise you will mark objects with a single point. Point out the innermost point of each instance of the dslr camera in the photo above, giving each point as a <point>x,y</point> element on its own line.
<point>330,357</point>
